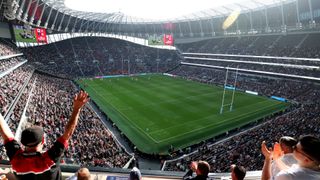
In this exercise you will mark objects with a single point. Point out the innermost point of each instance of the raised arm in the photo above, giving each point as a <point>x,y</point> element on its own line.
<point>78,102</point>
<point>266,170</point>
<point>5,131</point>
<point>277,154</point>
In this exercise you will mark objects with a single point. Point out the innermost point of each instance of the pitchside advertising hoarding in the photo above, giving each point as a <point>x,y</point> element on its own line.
<point>29,34</point>
<point>161,40</point>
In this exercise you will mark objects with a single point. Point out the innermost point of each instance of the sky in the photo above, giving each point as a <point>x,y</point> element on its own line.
<point>148,9</point>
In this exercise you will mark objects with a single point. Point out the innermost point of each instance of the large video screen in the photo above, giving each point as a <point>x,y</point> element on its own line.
<point>155,40</point>
<point>161,40</point>
<point>29,34</point>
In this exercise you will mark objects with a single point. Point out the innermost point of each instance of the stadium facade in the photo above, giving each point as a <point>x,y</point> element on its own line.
<point>257,16</point>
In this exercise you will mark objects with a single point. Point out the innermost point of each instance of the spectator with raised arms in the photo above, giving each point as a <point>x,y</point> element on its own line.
<point>306,153</point>
<point>31,162</point>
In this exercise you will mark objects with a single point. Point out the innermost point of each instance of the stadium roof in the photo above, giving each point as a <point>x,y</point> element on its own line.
<point>122,15</point>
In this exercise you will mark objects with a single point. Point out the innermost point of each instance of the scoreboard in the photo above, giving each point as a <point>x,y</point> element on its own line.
<point>29,34</point>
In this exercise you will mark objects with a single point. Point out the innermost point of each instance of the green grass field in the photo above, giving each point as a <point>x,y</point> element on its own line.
<point>156,111</point>
<point>20,39</point>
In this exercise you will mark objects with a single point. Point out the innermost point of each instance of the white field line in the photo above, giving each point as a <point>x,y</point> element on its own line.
<point>166,139</point>
<point>200,119</point>
<point>141,130</point>
<point>242,115</point>
<point>173,100</point>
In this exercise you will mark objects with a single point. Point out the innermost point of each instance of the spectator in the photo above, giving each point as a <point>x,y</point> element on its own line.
<point>135,174</point>
<point>307,154</point>
<point>287,143</point>
<point>237,172</point>
<point>201,169</point>
<point>284,155</point>
<point>82,174</point>
<point>31,163</point>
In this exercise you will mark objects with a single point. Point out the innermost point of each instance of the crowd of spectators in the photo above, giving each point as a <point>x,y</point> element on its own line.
<point>6,48</point>
<point>92,144</point>
<point>49,106</point>
<point>19,107</point>
<point>11,85</point>
<point>289,89</point>
<point>292,45</point>
<point>256,59</point>
<point>260,67</point>
<point>6,64</point>
<point>243,148</point>
<point>96,56</point>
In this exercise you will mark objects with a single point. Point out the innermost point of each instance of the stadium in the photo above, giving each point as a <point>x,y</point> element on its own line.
<point>209,84</point>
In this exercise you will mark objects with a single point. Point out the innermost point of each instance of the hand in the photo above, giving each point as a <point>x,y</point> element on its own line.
<point>3,177</point>
<point>193,166</point>
<point>265,151</point>
<point>277,152</point>
<point>80,100</point>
